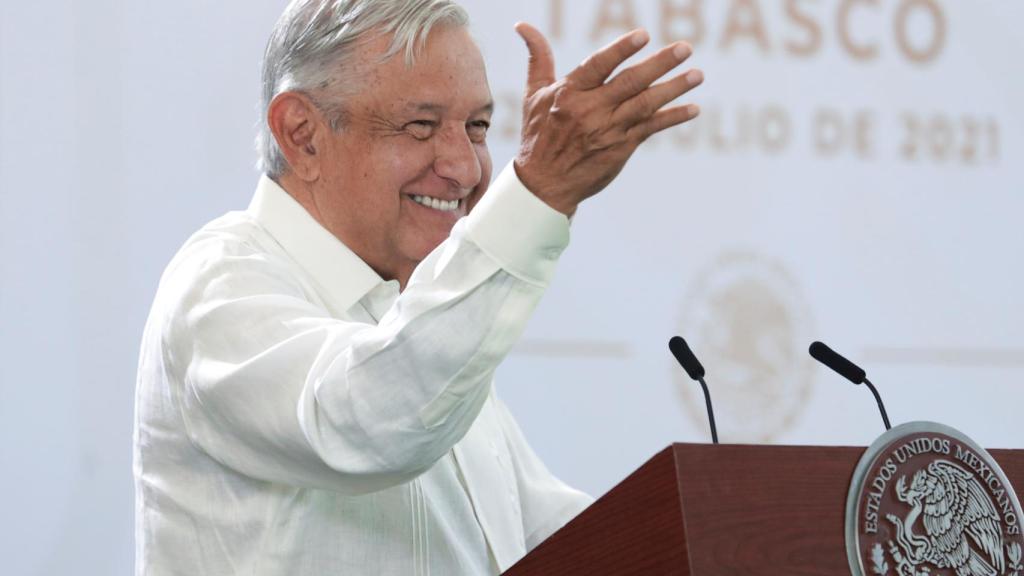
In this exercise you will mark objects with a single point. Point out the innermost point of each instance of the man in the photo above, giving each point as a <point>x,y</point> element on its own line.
<point>314,392</point>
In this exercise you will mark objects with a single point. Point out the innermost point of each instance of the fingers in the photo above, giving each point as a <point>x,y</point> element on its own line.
<point>648,102</point>
<point>600,65</point>
<point>666,118</point>
<point>541,71</point>
<point>637,78</point>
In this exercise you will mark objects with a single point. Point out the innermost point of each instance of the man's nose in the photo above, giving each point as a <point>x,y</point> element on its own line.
<point>456,159</point>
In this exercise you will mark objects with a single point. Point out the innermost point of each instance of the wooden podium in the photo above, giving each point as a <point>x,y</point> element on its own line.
<point>704,510</point>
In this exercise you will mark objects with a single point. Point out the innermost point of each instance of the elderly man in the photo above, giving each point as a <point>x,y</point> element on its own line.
<point>314,392</point>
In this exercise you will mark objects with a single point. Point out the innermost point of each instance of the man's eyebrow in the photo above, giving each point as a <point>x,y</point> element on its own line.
<point>438,108</point>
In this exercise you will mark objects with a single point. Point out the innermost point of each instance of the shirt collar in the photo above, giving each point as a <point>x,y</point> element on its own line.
<point>332,264</point>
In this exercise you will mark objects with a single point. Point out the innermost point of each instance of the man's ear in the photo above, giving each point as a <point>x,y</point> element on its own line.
<point>295,121</point>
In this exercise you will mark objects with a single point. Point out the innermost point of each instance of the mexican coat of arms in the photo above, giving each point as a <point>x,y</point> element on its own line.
<point>927,501</point>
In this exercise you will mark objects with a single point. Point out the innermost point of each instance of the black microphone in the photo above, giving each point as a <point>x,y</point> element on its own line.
<point>689,362</point>
<point>829,357</point>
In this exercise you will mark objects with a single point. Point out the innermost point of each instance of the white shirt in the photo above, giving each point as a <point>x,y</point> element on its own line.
<point>296,415</point>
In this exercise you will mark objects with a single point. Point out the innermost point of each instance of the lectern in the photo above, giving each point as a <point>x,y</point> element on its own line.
<point>705,510</point>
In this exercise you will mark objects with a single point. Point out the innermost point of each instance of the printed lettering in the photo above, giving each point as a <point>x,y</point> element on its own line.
<point>690,13</point>
<point>744,20</point>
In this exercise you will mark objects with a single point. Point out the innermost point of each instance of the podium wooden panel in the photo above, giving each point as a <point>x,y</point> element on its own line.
<point>703,510</point>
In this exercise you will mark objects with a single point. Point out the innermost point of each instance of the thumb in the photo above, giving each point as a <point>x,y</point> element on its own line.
<point>541,71</point>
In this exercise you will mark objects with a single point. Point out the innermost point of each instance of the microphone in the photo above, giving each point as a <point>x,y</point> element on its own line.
<point>694,370</point>
<point>829,357</point>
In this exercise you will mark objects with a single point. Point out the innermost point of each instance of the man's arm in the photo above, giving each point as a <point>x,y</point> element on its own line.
<point>272,386</point>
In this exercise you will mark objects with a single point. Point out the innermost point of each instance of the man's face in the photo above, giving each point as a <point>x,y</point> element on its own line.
<point>411,156</point>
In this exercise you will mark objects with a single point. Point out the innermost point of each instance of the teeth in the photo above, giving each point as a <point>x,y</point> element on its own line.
<point>437,204</point>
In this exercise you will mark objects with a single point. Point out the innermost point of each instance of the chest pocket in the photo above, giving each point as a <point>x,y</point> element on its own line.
<point>487,468</point>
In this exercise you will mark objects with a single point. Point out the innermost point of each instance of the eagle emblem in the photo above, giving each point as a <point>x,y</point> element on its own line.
<point>962,529</point>
<point>926,500</point>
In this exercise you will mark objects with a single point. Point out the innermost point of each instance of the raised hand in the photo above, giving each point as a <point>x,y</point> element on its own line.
<point>578,132</point>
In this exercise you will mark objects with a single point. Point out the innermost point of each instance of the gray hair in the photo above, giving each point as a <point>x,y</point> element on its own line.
<point>313,40</point>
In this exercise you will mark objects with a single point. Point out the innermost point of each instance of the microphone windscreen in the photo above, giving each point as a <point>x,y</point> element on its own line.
<point>685,357</point>
<point>833,360</point>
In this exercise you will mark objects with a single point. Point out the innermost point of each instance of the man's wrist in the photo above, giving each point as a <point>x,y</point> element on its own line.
<point>518,229</point>
<point>543,192</point>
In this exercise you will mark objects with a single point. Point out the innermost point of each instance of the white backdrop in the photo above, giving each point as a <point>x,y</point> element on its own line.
<point>856,177</point>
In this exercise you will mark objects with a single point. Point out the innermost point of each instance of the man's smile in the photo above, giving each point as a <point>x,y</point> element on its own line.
<point>437,203</point>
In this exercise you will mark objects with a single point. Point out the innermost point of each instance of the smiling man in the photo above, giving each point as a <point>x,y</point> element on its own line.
<point>315,382</point>
<point>410,156</point>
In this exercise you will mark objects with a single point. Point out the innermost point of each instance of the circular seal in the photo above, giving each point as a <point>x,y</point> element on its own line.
<point>745,313</point>
<point>926,500</point>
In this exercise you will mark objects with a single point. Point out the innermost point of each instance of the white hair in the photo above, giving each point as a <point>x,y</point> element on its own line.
<point>311,44</point>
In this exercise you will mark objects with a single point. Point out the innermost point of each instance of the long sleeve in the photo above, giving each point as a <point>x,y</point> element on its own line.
<point>274,385</point>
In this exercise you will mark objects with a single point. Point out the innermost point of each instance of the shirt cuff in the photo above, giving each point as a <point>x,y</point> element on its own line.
<point>520,231</point>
